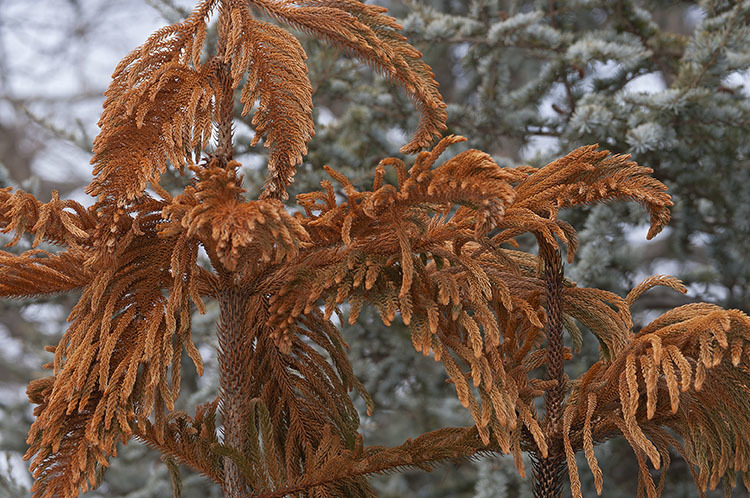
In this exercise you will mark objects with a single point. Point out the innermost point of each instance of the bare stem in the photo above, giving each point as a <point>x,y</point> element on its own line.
<point>549,470</point>
<point>234,384</point>
<point>224,93</point>
<point>224,114</point>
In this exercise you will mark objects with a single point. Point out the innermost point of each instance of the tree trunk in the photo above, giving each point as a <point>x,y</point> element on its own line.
<point>548,475</point>
<point>549,470</point>
<point>234,384</point>
<point>235,348</point>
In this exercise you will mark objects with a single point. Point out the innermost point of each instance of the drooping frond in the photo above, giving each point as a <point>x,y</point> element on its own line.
<point>277,78</point>
<point>112,362</point>
<point>334,464</point>
<point>37,272</point>
<point>670,379</point>
<point>69,465</point>
<point>158,110</point>
<point>585,176</point>
<point>60,222</point>
<point>367,33</point>
<point>661,280</point>
<point>604,313</point>
<point>144,132</point>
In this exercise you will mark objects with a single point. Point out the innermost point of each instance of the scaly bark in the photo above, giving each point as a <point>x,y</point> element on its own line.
<point>549,470</point>
<point>225,114</point>
<point>234,384</point>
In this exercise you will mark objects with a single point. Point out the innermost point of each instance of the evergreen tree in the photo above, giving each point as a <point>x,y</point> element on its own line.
<point>513,73</point>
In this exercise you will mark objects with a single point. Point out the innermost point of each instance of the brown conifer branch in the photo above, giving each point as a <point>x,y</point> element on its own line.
<point>477,307</point>
<point>439,446</point>
<point>424,452</point>
<point>183,440</point>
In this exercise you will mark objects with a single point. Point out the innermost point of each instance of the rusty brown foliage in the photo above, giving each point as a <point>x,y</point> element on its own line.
<point>437,248</point>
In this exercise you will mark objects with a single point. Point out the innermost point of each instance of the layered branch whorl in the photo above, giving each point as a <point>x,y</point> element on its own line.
<point>213,210</point>
<point>406,251</point>
<point>161,101</point>
<point>421,248</point>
